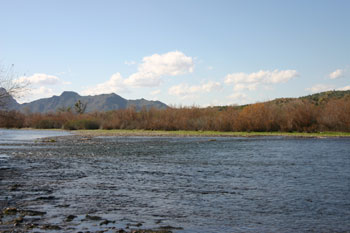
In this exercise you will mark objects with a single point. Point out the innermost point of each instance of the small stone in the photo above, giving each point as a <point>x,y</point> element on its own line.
<point>46,198</point>
<point>14,187</point>
<point>94,218</point>
<point>32,212</point>
<point>18,220</point>
<point>10,211</point>
<point>31,226</point>
<point>70,218</point>
<point>50,227</point>
<point>106,222</point>
<point>170,228</point>
<point>63,206</point>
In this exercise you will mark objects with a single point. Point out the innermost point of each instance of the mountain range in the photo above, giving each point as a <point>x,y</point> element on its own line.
<point>104,102</point>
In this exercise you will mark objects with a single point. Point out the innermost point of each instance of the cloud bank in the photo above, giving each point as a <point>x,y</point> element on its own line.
<point>184,90</point>
<point>40,79</point>
<point>250,81</point>
<point>114,84</point>
<point>149,73</point>
<point>40,85</point>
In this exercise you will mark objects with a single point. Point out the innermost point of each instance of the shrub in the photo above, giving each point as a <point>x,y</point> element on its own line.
<point>11,119</point>
<point>81,124</point>
<point>47,124</point>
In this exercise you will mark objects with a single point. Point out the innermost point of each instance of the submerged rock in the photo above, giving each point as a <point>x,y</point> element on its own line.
<point>10,211</point>
<point>70,218</point>
<point>50,227</point>
<point>150,231</point>
<point>32,212</point>
<point>106,222</point>
<point>45,198</point>
<point>14,187</point>
<point>94,218</point>
<point>170,228</point>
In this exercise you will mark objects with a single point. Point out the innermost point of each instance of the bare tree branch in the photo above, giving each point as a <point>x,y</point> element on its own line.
<point>9,87</point>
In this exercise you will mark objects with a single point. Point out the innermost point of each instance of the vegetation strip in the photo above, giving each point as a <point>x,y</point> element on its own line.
<point>323,112</point>
<point>184,133</point>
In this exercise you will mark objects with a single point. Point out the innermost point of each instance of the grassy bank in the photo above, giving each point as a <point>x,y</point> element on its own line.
<point>183,133</point>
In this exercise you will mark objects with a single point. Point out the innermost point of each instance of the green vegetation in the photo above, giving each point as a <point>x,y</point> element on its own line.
<point>81,124</point>
<point>324,97</point>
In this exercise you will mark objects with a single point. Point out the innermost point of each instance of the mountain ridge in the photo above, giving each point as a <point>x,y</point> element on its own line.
<point>103,102</point>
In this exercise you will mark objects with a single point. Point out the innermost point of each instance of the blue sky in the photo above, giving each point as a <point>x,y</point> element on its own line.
<point>179,52</point>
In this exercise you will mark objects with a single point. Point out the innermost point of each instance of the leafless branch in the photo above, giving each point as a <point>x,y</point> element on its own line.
<point>9,87</point>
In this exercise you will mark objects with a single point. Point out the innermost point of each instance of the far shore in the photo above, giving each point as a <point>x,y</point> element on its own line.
<point>192,133</point>
<point>184,133</point>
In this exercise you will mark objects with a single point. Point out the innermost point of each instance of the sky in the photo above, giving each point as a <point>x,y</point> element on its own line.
<point>181,52</point>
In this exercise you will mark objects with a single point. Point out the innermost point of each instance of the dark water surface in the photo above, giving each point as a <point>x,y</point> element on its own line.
<point>263,184</point>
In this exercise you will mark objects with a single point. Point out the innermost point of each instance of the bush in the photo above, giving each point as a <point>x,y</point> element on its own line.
<point>47,124</point>
<point>11,119</point>
<point>81,124</point>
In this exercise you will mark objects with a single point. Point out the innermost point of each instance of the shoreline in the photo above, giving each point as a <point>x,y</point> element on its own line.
<point>184,133</point>
<point>190,133</point>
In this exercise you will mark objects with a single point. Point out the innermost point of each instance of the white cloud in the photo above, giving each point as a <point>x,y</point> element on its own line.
<point>42,92</point>
<point>238,98</point>
<point>149,73</point>
<point>336,74</point>
<point>185,90</point>
<point>114,84</point>
<point>154,67</point>
<point>210,68</point>
<point>40,79</point>
<point>36,93</point>
<point>250,81</point>
<point>244,86</point>
<point>320,88</point>
<point>211,86</point>
<point>40,85</point>
<point>155,92</point>
<point>129,63</point>
<point>346,88</point>
<point>140,79</point>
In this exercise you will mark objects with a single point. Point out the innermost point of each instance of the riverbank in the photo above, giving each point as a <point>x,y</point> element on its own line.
<point>183,133</point>
<point>191,133</point>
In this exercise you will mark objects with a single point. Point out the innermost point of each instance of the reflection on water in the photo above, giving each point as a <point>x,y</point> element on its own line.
<point>262,184</point>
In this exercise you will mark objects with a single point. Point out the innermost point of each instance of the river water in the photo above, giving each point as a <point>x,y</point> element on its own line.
<point>183,184</point>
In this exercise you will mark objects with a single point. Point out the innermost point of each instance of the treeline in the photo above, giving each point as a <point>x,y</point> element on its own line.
<point>285,116</point>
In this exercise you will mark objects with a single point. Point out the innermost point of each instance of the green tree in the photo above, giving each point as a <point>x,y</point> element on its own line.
<point>80,107</point>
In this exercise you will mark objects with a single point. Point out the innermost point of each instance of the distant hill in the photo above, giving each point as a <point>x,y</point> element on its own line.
<point>324,97</point>
<point>317,98</point>
<point>104,102</point>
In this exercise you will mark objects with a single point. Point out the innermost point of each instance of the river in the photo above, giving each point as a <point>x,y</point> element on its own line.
<point>180,184</point>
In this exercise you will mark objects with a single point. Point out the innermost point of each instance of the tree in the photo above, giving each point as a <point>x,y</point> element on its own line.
<point>80,107</point>
<point>9,87</point>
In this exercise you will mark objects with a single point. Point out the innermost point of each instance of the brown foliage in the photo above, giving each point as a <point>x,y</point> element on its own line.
<point>12,119</point>
<point>336,115</point>
<point>293,115</point>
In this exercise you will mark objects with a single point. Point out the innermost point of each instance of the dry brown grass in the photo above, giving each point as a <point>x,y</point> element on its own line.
<point>295,115</point>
